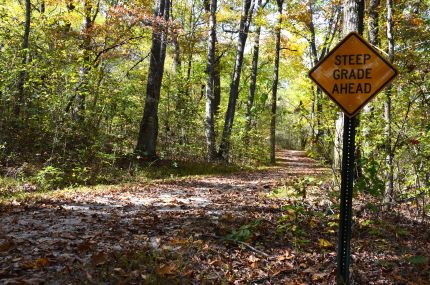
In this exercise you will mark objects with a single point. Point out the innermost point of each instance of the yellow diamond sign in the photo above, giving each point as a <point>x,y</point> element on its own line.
<point>353,73</point>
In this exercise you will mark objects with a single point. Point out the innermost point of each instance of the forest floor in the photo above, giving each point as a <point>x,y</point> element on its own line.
<point>273,226</point>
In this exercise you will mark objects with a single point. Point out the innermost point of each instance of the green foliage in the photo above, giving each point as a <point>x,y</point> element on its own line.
<point>296,188</point>
<point>49,178</point>
<point>88,142</point>
<point>418,260</point>
<point>370,181</point>
<point>245,233</point>
<point>80,175</point>
<point>8,185</point>
<point>291,223</point>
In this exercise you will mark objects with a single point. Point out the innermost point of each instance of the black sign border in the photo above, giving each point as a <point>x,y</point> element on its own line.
<point>396,73</point>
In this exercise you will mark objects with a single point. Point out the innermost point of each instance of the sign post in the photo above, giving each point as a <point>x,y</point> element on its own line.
<point>351,75</point>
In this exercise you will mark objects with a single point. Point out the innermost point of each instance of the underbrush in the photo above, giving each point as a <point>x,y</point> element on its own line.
<point>30,178</point>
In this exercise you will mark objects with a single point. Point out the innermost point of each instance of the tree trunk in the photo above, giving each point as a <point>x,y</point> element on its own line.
<point>210,79</point>
<point>373,22</point>
<point>253,85</point>
<point>147,140</point>
<point>389,174</point>
<point>314,56</point>
<point>22,77</point>
<point>83,90</point>
<point>234,86</point>
<point>42,7</point>
<point>275,84</point>
<point>313,116</point>
<point>373,35</point>
<point>190,48</point>
<point>353,21</point>
<point>217,84</point>
<point>177,62</point>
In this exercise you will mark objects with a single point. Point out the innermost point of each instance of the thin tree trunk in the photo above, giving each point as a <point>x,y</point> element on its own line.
<point>147,140</point>
<point>353,21</point>
<point>179,90</point>
<point>247,9</point>
<point>42,7</point>
<point>20,100</point>
<point>314,55</point>
<point>373,36</point>
<point>389,175</point>
<point>373,22</point>
<point>217,85</point>
<point>333,23</point>
<point>83,90</point>
<point>177,62</point>
<point>190,49</point>
<point>275,84</point>
<point>313,117</point>
<point>253,85</point>
<point>210,78</point>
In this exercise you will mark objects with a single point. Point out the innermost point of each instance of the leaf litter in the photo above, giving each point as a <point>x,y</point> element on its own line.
<point>223,229</point>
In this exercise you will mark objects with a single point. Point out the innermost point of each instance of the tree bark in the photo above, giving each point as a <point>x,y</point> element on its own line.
<point>148,134</point>
<point>245,20</point>
<point>389,174</point>
<point>253,85</point>
<point>217,84</point>
<point>190,47</point>
<point>275,84</point>
<point>210,86</point>
<point>314,55</point>
<point>20,100</point>
<point>177,62</point>
<point>373,35</point>
<point>373,22</point>
<point>353,21</point>
<point>83,89</point>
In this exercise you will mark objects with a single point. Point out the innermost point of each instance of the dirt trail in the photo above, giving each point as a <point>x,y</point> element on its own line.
<point>176,231</point>
<point>57,231</point>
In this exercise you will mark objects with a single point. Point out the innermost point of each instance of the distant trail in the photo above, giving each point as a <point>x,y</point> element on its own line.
<point>129,216</point>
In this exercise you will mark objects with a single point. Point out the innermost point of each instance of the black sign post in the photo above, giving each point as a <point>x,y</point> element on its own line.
<point>347,180</point>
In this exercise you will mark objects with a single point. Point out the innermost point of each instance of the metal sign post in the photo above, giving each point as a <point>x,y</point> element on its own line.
<point>343,255</point>
<point>352,74</point>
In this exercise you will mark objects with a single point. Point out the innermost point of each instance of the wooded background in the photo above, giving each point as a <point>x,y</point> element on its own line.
<point>92,89</point>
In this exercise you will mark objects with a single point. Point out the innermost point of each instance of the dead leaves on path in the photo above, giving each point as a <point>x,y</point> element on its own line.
<point>211,230</point>
<point>7,245</point>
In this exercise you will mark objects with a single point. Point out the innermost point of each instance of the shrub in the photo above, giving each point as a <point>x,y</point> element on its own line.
<point>49,178</point>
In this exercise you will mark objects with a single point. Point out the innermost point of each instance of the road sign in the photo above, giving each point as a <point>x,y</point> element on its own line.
<point>353,73</point>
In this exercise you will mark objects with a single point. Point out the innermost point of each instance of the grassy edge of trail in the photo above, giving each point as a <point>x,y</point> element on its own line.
<point>36,187</point>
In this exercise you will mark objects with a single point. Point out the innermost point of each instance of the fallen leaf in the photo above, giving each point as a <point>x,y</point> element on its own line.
<point>68,236</point>
<point>99,258</point>
<point>287,266</point>
<point>41,262</point>
<point>167,269</point>
<point>7,245</point>
<point>36,264</point>
<point>253,259</point>
<point>188,273</point>
<point>309,270</point>
<point>324,243</point>
<point>215,262</point>
<point>318,276</point>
